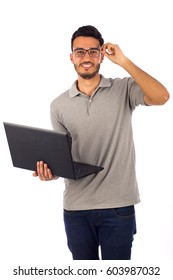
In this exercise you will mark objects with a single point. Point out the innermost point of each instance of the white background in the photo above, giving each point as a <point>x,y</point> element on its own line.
<point>34,68</point>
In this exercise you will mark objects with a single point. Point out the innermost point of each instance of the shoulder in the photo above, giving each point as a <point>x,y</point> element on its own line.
<point>118,85</point>
<point>60,99</point>
<point>115,82</point>
<point>125,81</point>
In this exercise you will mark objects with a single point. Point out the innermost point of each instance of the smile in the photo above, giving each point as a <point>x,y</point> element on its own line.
<point>87,65</point>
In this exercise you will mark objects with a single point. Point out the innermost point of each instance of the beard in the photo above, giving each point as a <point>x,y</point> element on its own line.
<point>87,76</point>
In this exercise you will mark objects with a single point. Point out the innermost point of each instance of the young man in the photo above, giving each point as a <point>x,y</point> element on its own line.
<point>96,112</point>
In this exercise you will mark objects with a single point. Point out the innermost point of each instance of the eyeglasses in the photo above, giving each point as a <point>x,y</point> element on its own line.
<point>93,52</point>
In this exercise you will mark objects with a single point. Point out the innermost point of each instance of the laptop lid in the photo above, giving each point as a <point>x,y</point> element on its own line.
<point>28,145</point>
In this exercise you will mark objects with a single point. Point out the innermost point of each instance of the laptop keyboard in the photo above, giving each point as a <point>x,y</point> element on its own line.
<point>82,169</point>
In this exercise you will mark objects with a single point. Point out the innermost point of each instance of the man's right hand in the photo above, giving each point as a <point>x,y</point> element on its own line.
<point>43,172</point>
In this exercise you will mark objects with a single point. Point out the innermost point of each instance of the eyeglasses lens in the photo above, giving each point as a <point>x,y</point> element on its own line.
<point>91,52</point>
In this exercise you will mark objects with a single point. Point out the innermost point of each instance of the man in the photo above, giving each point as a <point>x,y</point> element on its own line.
<point>96,112</point>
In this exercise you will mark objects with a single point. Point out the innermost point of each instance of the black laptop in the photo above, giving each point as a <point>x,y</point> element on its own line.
<point>28,145</point>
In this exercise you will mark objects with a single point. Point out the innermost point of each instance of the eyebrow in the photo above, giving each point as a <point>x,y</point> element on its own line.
<point>86,49</point>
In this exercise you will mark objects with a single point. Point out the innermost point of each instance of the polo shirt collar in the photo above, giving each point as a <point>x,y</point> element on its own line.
<point>73,91</point>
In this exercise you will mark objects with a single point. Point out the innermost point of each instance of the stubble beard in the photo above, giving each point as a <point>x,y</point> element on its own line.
<point>88,76</point>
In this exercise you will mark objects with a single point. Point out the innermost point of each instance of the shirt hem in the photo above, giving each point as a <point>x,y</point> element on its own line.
<point>116,205</point>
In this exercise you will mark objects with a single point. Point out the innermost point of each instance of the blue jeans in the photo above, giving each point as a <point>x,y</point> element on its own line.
<point>111,229</point>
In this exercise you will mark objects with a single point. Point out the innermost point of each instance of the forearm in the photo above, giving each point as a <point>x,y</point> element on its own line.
<point>154,92</point>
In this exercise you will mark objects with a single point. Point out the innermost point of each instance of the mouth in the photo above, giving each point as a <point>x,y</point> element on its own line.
<point>87,65</point>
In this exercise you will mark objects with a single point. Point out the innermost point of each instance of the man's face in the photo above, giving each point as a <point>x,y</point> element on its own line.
<point>87,64</point>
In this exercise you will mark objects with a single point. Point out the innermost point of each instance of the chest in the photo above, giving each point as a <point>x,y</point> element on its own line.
<point>84,115</point>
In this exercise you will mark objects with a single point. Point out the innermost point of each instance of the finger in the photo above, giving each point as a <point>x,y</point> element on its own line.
<point>46,172</point>
<point>107,47</point>
<point>50,175</point>
<point>40,167</point>
<point>34,174</point>
<point>110,49</point>
<point>104,47</point>
<point>40,170</point>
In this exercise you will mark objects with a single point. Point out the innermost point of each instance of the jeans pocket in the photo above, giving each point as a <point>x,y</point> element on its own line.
<point>125,212</point>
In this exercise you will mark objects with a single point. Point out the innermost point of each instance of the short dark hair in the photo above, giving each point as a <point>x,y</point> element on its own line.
<point>87,31</point>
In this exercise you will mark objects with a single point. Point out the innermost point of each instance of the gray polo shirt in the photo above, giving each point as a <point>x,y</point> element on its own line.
<point>101,131</point>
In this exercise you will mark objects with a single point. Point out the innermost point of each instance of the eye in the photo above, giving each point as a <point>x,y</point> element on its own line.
<point>94,53</point>
<point>80,52</point>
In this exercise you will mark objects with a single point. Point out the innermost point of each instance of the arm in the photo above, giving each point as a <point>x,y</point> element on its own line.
<point>154,92</point>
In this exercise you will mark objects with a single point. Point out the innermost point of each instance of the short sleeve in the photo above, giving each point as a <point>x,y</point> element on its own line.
<point>136,96</point>
<point>56,124</point>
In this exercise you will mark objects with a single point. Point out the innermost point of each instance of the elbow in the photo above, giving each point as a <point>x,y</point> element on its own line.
<point>159,99</point>
<point>165,97</point>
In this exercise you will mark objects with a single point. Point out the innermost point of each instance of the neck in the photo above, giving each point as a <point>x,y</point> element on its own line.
<point>88,86</point>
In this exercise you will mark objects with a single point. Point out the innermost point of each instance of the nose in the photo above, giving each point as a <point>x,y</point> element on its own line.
<point>87,53</point>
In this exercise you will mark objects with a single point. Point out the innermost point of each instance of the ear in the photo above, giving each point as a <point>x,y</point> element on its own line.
<point>101,57</point>
<point>71,58</point>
